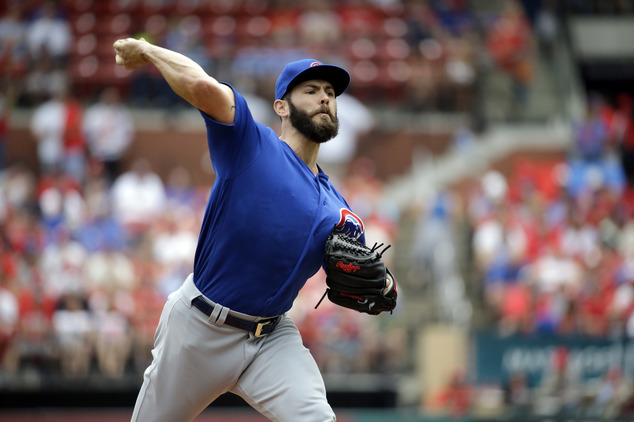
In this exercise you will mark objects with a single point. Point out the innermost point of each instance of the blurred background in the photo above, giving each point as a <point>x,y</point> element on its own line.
<point>491,142</point>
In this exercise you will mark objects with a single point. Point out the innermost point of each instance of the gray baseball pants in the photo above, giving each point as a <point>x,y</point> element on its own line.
<point>196,359</point>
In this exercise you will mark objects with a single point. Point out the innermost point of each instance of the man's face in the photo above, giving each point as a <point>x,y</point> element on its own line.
<point>313,111</point>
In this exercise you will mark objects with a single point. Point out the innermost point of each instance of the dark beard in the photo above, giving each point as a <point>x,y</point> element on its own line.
<point>316,132</point>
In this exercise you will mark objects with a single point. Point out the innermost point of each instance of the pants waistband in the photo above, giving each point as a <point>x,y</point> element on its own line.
<point>221,315</point>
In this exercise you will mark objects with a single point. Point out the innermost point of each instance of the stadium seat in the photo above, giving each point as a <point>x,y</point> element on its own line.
<point>393,49</point>
<point>84,23</point>
<point>220,26</point>
<point>85,45</point>
<point>364,76</point>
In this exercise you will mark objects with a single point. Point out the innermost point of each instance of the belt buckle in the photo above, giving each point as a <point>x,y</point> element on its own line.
<point>259,327</point>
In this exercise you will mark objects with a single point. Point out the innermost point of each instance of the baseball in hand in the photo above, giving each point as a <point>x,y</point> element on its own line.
<point>129,52</point>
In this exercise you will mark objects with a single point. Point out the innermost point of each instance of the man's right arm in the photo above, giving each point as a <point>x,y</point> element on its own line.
<point>184,76</point>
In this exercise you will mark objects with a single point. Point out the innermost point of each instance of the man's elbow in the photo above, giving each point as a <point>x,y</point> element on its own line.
<point>214,99</point>
<point>195,90</point>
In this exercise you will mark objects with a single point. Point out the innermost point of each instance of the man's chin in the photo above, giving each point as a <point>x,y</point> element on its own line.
<point>321,140</point>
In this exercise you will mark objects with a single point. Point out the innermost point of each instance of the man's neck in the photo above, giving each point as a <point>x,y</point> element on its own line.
<point>304,148</point>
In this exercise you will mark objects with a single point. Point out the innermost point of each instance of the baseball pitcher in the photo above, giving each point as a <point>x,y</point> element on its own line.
<point>272,220</point>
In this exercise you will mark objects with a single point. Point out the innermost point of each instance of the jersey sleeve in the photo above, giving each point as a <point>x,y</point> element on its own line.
<point>233,147</point>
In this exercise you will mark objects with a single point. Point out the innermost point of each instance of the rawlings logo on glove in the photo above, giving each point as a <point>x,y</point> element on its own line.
<point>357,277</point>
<point>349,268</point>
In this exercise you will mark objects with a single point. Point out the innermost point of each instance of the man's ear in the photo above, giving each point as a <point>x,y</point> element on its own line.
<point>281,108</point>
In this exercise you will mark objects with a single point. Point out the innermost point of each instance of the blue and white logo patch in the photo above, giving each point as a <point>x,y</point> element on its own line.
<point>349,224</point>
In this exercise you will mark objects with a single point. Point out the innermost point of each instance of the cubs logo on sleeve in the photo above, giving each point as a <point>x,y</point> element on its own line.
<point>349,224</point>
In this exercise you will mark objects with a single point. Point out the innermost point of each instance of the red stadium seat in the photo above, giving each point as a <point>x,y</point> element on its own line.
<point>90,74</point>
<point>84,68</point>
<point>155,24</point>
<point>220,26</point>
<point>77,7</point>
<point>119,23</point>
<point>360,20</point>
<point>84,23</point>
<point>393,49</point>
<point>362,48</point>
<point>255,7</point>
<point>223,7</point>
<point>395,27</point>
<point>85,45</point>
<point>190,7</point>
<point>364,75</point>
<point>123,6</point>
<point>151,7</point>
<point>104,45</point>
<point>393,78</point>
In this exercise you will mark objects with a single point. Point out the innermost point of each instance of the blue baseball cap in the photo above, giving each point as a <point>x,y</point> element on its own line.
<point>304,70</point>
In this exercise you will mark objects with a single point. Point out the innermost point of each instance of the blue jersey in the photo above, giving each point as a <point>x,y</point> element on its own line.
<point>266,221</point>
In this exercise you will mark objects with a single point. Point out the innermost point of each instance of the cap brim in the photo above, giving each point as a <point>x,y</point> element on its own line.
<point>337,76</point>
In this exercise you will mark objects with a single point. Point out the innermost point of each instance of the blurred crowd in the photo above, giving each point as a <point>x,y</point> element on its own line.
<point>550,253</point>
<point>417,54</point>
<point>552,242</point>
<point>430,55</point>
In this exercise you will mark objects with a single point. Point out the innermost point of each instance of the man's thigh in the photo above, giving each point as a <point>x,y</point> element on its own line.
<point>194,362</point>
<point>283,381</point>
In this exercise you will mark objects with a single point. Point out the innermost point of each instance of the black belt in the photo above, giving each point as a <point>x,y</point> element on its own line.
<point>259,328</point>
